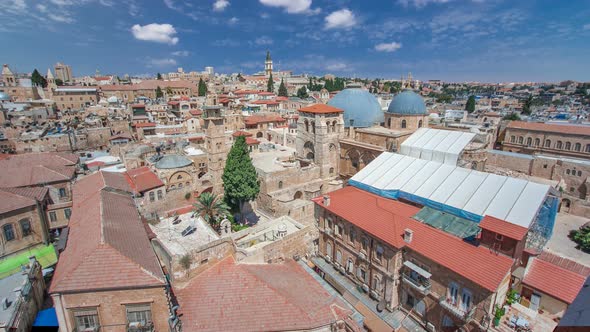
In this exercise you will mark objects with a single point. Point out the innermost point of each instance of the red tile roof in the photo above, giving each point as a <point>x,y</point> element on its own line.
<point>550,128</point>
<point>320,109</point>
<point>553,280</point>
<point>252,141</point>
<point>257,297</point>
<point>265,102</point>
<point>107,246</point>
<point>143,179</point>
<point>173,103</point>
<point>255,119</point>
<point>144,124</point>
<point>37,169</point>
<point>12,199</point>
<point>503,227</point>
<point>565,263</point>
<point>241,133</point>
<point>136,105</point>
<point>386,220</point>
<point>195,112</point>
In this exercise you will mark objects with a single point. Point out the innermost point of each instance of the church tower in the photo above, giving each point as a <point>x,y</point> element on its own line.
<point>268,64</point>
<point>216,145</point>
<point>8,77</point>
<point>319,128</point>
<point>50,80</point>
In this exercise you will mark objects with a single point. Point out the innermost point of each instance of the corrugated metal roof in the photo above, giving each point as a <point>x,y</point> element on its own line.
<point>443,146</point>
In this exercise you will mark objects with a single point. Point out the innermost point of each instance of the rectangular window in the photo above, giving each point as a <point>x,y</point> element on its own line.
<point>379,252</point>
<point>86,320</point>
<point>159,194</point>
<point>62,192</point>
<point>139,315</point>
<point>453,293</point>
<point>68,213</point>
<point>152,196</point>
<point>466,300</point>
<point>52,216</point>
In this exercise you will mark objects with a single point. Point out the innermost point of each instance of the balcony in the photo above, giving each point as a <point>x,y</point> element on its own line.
<point>455,309</point>
<point>139,327</point>
<point>422,285</point>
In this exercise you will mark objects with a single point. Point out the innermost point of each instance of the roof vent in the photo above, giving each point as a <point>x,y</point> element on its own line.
<point>326,200</point>
<point>408,234</point>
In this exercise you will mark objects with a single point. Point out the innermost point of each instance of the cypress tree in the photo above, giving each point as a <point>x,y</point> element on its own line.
<point>270,84</point>
<point>202,87</point>
<point>38,80</point>
<point>283,90</point>
<point>159,92</point>
<point>240,182</point>
<point>470,105</point>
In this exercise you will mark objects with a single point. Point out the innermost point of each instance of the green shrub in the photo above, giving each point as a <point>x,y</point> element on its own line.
<point>582,238</point>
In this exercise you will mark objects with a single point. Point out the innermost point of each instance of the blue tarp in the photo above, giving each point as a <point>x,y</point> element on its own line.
<point>46,317</point>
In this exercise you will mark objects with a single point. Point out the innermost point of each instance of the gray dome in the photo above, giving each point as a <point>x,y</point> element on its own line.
<point>4,96</point>
<point>358,105</point>
<point>408,103</point>
<point>173,161</point>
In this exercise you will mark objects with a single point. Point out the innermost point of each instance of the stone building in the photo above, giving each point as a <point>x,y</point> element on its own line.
<point>216,145</point>
<point>75,98</point>
<point>88,290</point>
<point>557,139</point>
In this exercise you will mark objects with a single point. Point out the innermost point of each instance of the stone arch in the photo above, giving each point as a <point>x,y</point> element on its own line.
<point>313,127</point>
<point>328,126</point>
<point>354,156</point>
<point>568,145</point>
<point>548,143</point>
<point>309,150</point>
<point>577,147</point>
<point>259,134</point>
<point>334,126</point>
<point>565,205</point>
<point>306,125</point>
<point>537,142</point>
<point>366,158</point>
<point>298,195</point>
<point>404,124</point>
<point>529,141</point>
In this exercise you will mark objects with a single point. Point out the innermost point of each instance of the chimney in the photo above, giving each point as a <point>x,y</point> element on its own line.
<point>326,200</point>
<point>408,234</point>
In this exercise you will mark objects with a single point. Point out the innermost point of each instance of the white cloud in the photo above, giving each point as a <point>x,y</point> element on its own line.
<point>159,33</point>
<point>292,6</point>
<point>220,5</point>
<point>181,53</point>
<point>340,19</point>
<point>263,40</point>
<point>233,20</point>
<point>165,62</point>
<point>388,47</point>
<point>338,66</point>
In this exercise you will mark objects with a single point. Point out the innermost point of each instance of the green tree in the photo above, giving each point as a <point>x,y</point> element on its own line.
<point>59,82</point>
<point>270,85</point>
<point>526,107</point>
<point>38,80</point>
<point>283,90</point>
<point>159,76</point>
<point>240,181</point>
<point>395,87</point>
<point>159,92</point>
<point>444,98</point>
<point>302,93</point>
<point>211,208</point>
<point>470,105</point>
<point>582,238</point>
<point>169,92</point>
<point>310,84</point>
<point>202,87</point>
<point>511,117</point>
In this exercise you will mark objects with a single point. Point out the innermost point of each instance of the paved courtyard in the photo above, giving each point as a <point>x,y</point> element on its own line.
<point>561,244</point>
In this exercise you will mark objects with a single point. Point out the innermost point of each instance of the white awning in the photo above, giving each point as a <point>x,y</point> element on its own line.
<point>418,269</point>
<point>444,146</point>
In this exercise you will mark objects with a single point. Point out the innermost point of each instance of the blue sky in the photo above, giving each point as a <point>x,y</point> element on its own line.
<point>454,40</point>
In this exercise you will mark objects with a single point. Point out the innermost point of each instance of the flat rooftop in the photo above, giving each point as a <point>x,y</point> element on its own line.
<point>171,235</point>
<point>10,288</point>
<point>270,161</point>
<point>268,232</point>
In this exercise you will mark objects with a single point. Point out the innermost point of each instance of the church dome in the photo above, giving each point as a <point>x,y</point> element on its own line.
<point>4,96</point>
<point>358,105</point>
<point>173,161</point>
<point>407,103</point>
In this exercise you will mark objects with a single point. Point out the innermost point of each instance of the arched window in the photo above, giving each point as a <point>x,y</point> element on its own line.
<point>152,196</point>
<point>520,140</point>
<point>180,185</point>
<point>351,234</point>
<point>403,123</point>
<point>306,125</point>
<point>579,173</point>
<point>328,126</point>
<point>587,148</point>
<point>328,249</point>
<point>349,266</point>
<point>568,145</point>
<point>179,177</point>
<point>548,143</point>
<point>280,184</point>
<point>529,141</point>
<point>25,226</point>
<point>389,123</point>
<point>420,124</point>
<point>338,257</point>
<point>331,170</point>
<point>578,147</point>
<point>333,126</point>
<point>313,126</point>
<point>513,139</point>
<point>8,232</point>
<point>559,145</point>
<point>567,171</point>
<point>537,142</point>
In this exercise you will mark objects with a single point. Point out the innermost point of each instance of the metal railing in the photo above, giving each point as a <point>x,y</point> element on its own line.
<point>421,286</point>
<point>455,309</point>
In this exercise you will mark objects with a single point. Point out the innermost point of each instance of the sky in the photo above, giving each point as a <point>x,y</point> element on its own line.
<point>452,40</point>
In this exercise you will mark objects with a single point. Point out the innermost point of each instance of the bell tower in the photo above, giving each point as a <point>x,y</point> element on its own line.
<point>319,128</point>
<point>215,143</point>
<point>8,77</point>
<point>268,64</point>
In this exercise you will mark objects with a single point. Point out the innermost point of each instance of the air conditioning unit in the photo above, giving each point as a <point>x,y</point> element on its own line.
<point>327,258</point>
<point>430,327</point>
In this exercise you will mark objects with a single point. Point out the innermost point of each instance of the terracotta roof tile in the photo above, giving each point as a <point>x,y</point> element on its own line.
<point>263,118</point>
<point>320,109</point>
<point>259,297</point>
<point>503,227</point>
<point>241,133</point>
<point>17,198</point>
<point>550,128</point>
<point>144,124</point>
<point>143,179</point>
<point>553,280</point>
<point>387,221</point>
<point>37,169</point>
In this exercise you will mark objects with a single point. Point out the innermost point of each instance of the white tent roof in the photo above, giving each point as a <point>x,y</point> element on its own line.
<point>514,200</point>
<point>443,146</point>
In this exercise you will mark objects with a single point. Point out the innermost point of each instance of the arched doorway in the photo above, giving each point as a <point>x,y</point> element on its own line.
<point>298,195</point>
<point>309,150</point>
<point>354,157</point>
<point>565,205</point>
<point>259,134</point>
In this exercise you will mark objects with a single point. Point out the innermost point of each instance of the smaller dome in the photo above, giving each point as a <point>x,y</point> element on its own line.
<point>358,105</point>
<point>173,161</point>
<point>408,103</point>
<point>4,96</point>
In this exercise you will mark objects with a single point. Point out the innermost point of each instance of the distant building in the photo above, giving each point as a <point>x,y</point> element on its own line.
<point>268,64</point>
<point>63,72</point>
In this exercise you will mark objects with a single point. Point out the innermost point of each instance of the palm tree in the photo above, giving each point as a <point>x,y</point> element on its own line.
<point>210,207</point>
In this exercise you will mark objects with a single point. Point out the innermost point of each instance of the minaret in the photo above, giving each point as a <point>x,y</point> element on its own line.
<point>7,76</point>
<point>268,64</point>
<point>215,144</point>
